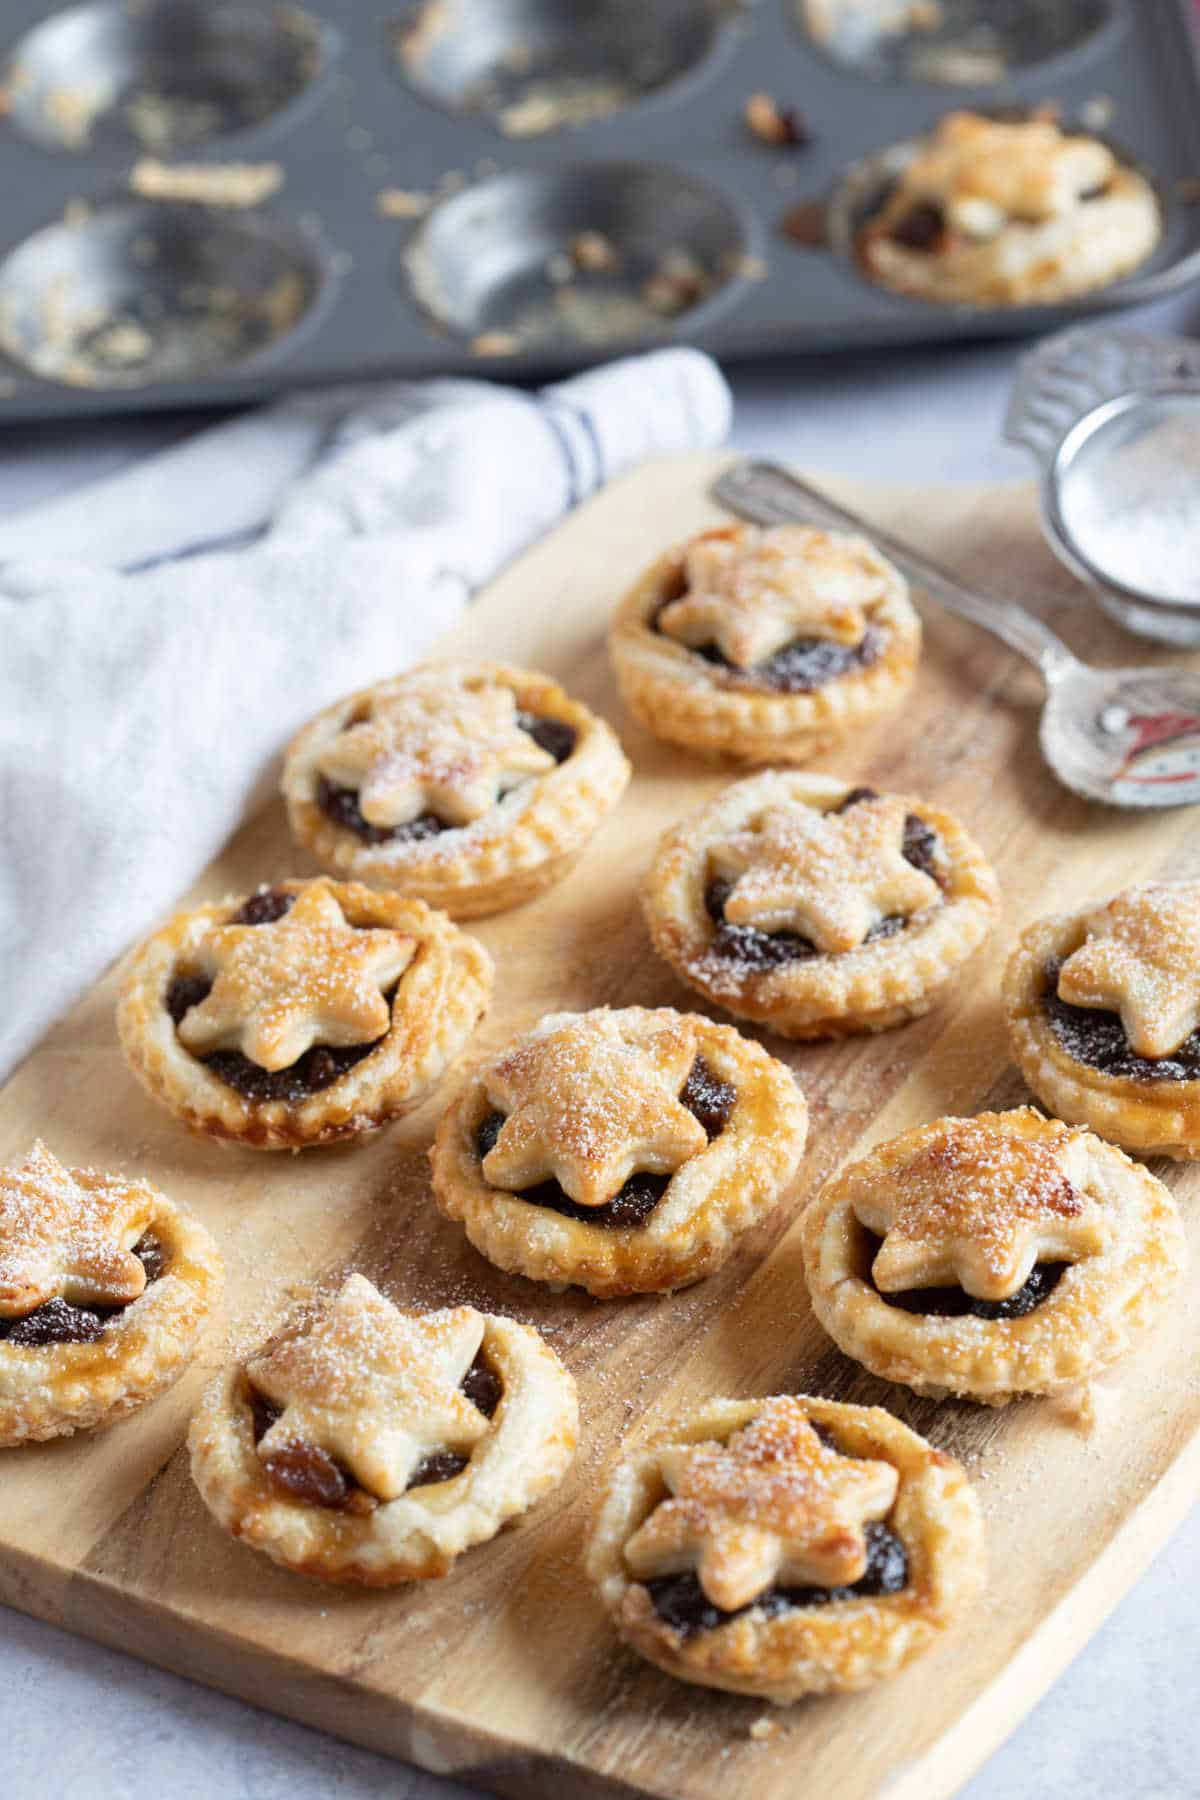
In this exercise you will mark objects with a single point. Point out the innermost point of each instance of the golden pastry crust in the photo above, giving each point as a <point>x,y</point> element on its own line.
<point>443,992</point>
<point>522,843</point>
<point>1017,226</point>
<point>688,700</point>
<point>868,988</point>
<point>1088,1320</point>
<point>716,1193</point>
<point>522,1452</point>
<point>51,1390</point>
<point>1151,1116</point>
<point>841,1646</point>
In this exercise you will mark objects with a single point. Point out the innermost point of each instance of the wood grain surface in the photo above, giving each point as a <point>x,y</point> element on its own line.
<point>507,1673</point>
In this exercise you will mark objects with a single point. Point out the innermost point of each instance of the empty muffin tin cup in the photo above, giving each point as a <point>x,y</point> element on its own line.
<point>956,43</point>
<point>157,75</point>
<point>1113,419</point>
<point>134,293</point>
<point>534,65</point>
<point>596,254</point>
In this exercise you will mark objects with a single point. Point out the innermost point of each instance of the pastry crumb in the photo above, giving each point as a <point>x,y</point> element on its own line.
<point>495,343</point>
<point>594,253</point>
<point>401,203</point>
<point>764,1729</point>
<point>1097,113</point>
<point>806,224</point>
<point>747,268</point>
<point>211,184</point>
<point>780,126</point>
<point>678,283</point>
<point>550,104</point>
<point>73,112</point>
<point>1087,1407</point>
<point>123,344</point>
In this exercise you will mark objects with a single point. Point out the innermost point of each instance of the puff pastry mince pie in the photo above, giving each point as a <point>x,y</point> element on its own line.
<point>816,908</point>
<point>623,1151</point>
<point>308,1012</point>
<point>997,213</point>
<point>786,1546</point>
<point>1104,1016</point>
<point>105,1288</point>
<point>472,786</point>
<point>989,1257</point>
<point>765,644</point>
<point>371,1445</point>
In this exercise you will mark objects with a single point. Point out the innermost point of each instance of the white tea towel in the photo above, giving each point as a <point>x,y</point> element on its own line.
<point>143,701</point>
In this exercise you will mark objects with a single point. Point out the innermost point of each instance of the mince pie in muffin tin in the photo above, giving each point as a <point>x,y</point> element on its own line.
<point>992,212</point>
<point>989,1257</point>
<point>623,1151</point>
<point>374,1446</point>
<point>309,1012</point>
<point>105,1289</point>
<point>765,644</point>
<point>472,786</point>
<point>786,1546</point>
<point>815,908</point>
<point>1104,1016</point>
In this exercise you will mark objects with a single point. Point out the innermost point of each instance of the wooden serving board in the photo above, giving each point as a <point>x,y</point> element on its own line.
<point>507,1673</point>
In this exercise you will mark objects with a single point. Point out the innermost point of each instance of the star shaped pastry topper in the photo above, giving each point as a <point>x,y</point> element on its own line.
<point>68,1234</point>
<point>588,1107</point>
<point>306,978</point>
<point>1141,958</point>
<point>828,876</point>
<point>772,1507</point>
<point>441,747</point>
<point>751,591</point>
<point>374,1387</point>
<point>977,1205</point>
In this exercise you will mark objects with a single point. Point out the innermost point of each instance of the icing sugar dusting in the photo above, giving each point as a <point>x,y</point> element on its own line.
<point>979,1202</point>
<point>1131,500</point>
<point>590,1098</point>
<point>68,1234</point>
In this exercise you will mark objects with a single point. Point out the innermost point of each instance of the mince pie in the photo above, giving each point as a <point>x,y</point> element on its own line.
<point>470,785</point>
<point>311,1011</point>
<point>765,644</point>
<point>1104,1016</point>
<point>623,1151</point>
<point>365,1444</point>
<point>815,908</point>
<point>990,212</point>
<point>989,1257</point>
<point>785,1547</point>
<point>105,1288</point>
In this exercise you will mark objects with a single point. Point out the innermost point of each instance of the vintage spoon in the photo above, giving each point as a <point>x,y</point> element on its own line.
<point>1128,737</point>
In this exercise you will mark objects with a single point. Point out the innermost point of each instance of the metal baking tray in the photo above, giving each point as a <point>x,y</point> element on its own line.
<point>548,133</point>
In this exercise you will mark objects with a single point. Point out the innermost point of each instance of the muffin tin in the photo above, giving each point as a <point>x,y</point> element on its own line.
<point>496,186</point>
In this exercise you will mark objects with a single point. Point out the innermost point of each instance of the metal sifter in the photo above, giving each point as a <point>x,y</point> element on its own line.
<point>1113,419</point>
